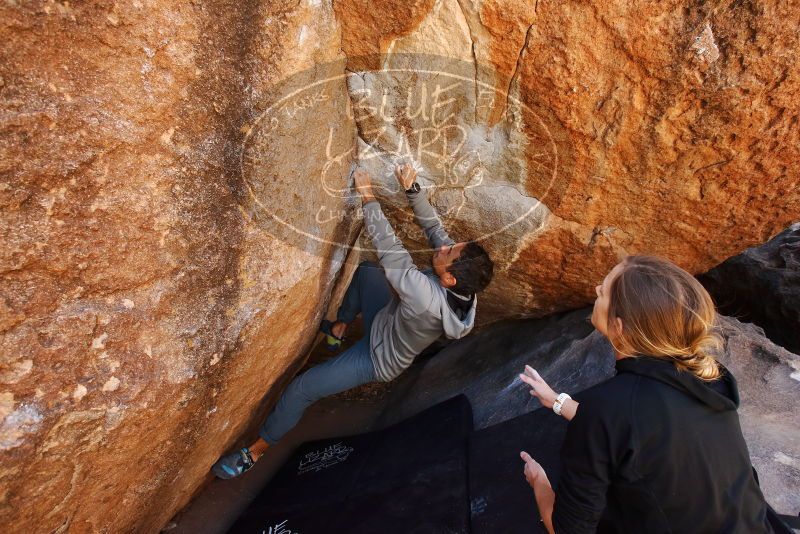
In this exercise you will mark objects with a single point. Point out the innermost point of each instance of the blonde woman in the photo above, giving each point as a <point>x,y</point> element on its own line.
<point>658,447</point>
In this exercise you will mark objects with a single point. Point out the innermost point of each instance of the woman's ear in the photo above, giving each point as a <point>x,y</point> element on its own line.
<point>616,332</point>
<point>614,335</point>
<point>613,327</point>
<point>618,326</point>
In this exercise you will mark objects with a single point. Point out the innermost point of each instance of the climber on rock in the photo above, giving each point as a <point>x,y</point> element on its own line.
<point>429,303</point>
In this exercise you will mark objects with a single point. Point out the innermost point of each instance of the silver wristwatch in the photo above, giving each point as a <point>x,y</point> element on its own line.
<point>562,397</point>
<point>415,188</point>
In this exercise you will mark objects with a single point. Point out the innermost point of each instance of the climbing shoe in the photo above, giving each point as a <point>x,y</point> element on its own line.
<point>332,343</point>
<point>233,464</point>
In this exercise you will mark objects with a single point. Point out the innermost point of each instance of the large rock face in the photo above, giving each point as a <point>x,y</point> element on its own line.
<point>145,307</point>
<point>173,222</point>
<point>668,129</point>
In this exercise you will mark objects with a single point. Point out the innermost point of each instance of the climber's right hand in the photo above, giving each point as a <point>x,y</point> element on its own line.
<point>406,175</point>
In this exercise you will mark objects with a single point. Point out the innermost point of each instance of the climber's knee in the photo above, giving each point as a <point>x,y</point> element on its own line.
<point>298,392</point>
<point>366,264</point>
<point>370,270</point>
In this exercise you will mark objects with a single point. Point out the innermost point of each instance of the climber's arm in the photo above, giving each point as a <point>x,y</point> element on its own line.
<point>424,213</point>
<point>413,287</point>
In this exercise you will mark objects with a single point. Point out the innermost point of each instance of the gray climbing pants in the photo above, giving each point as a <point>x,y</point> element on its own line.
<point>367,294</point>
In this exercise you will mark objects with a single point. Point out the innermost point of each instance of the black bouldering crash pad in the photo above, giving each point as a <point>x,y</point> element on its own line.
<point>410,477</point>
<point>501,499</point>
<point>428,474</point>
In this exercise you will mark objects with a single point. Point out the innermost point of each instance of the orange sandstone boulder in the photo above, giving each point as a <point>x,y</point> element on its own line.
<point>145,308</point>
<point>586,132</point>
<point>177,206</point>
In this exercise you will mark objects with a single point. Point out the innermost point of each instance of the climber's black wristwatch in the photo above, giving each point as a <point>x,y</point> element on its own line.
<point>413,189</point>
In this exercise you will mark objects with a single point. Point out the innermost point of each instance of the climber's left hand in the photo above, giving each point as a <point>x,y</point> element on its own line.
<point>363,183</point>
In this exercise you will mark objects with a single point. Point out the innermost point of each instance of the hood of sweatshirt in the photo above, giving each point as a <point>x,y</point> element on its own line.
<point>721,394</point>
<point>454,327</point>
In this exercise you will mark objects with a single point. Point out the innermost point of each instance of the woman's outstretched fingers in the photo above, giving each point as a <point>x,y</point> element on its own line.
<point>531,377</point>
<point>533,373</point>
<point>526,458</point>
<point>532,383</point>
<point>532,470</point>
<point>539,388</point>
<point>528,380</point>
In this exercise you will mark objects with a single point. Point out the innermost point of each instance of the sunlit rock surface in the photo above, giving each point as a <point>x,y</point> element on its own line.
<point>613,128</point>
<point>145,308</point>
<point>176,200</point>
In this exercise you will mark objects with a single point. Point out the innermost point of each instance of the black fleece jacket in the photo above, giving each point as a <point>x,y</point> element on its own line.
<point>663,450</point>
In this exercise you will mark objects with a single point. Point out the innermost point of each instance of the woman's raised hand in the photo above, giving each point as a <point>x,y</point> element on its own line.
<point>539,387</point>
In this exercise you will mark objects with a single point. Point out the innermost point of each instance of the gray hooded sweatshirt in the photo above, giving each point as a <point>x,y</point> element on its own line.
<point>406,326</point>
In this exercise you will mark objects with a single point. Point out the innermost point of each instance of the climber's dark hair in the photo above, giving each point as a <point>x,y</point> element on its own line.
<point>472,270</point>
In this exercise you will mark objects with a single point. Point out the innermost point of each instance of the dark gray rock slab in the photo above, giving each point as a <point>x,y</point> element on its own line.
<point>572,356</point>
<point>485,366</point>
<point>762,286</point>
<point>769,387</point>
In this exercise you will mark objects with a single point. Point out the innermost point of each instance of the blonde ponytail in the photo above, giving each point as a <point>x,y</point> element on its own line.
<point>702,362</point>
<point>665,313</point>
